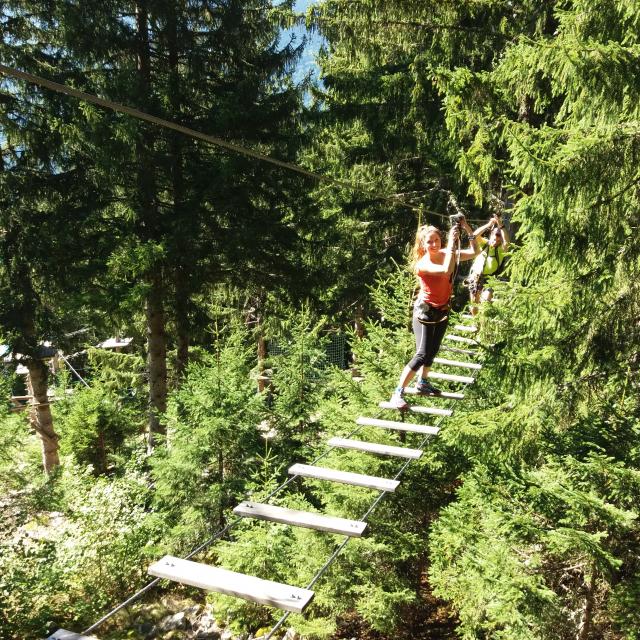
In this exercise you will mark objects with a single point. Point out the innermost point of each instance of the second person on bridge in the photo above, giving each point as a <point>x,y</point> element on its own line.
<point>435,271</point>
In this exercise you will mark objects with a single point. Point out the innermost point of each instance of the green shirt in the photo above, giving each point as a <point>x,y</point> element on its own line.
<point>489,260</point>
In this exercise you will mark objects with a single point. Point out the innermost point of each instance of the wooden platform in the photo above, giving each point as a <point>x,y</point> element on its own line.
<point>203,576</point>
<point>458,363</point>
<point>413,408</point>
<point>306,519</point>
<point>436,375</point>
<point>374,447</point>
<point>448,395</point>
<point>63,634</point>
<point>346,477</point>
<point>397,426</point>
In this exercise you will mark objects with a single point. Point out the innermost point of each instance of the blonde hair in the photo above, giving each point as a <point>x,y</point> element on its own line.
<point>419,247</point>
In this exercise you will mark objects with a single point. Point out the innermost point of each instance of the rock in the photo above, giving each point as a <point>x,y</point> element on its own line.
<point>206,628</point>
<point>192,613</point>
<point>291,634</point>
<point>172,623</point>
<point>206,635</point>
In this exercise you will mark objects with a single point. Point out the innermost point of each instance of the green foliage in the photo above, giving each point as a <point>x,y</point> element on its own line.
<point>94,425</point>
<point>212,439</point>
<point>81,555</point>
<point>297,385</point>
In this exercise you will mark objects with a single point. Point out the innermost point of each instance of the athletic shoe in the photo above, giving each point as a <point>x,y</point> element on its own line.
<point>398,402</point>
<point>427,389</point>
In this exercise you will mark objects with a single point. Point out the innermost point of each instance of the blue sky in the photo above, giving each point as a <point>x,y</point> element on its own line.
<point>314,41</point>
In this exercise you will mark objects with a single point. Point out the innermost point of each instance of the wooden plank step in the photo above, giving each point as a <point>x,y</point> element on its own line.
<point>374,447</point>
<point>297,518</point>
<point>454,338</point>
<point>436,375</point>
<point>412,408</point>
<point>449,395</point>
<point>347,477</point>
<point>397,426</point>
<point>204,576</point>
<point>468,328</point>
<point>63,634</point>
<point>467,352</point>
<point>458,363</point>
<point>467,316</point>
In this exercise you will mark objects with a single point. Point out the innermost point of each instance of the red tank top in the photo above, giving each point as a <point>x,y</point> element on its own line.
<point>435,289</point>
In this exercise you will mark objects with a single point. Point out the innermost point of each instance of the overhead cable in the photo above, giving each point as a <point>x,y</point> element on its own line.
<point>167,124</point>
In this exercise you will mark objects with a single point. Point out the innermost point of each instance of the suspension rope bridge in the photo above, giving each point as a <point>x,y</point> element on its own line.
<point>294,599</point>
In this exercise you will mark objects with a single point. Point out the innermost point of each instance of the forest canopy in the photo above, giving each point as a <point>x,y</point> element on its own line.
<point>230,284</point>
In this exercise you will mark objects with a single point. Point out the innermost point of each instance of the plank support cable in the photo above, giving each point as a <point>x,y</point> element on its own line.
<point>204,545</point>
<point>344,543</point>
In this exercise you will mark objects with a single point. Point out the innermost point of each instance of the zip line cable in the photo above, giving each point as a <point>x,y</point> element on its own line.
<point>167,124</point>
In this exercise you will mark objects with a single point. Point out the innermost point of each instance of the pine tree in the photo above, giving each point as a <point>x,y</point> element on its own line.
<point>48,187</point>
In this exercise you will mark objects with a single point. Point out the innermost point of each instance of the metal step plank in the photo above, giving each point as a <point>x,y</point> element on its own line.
<point>454,338</point>
<point>458,363</point>
<point>306,519</point>
<point>374,447</point>
<point>346,477</point>
<point>449,395</point>
<point>63,634</point>
<point>203,576</point>
<point>433,411</point>
<point>436,375</point>
<point>397,426</point>
<point>468,328</point>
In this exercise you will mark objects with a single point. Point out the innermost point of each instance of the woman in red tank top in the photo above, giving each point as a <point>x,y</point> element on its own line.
<point>434,268</point>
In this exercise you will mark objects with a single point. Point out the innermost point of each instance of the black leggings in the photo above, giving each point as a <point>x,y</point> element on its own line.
<point>428,339</point>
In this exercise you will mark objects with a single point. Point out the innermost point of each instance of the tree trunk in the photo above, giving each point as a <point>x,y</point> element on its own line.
<point>177,183</point>
<point>183,325</point>
<point>148,226</point>
<point>584,629</point>
<point>156,358</point>
<point>221,503</point>
<point>41,418</point>
<point>262,356</point>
